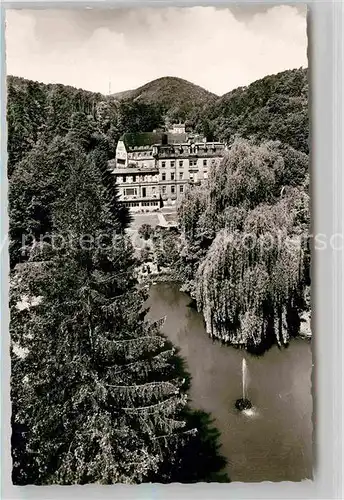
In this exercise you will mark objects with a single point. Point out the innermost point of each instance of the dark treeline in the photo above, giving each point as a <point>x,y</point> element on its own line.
<point>98,394</point>
<point>178,99</point>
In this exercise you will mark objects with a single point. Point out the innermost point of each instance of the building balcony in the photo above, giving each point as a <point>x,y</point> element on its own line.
<point>137,183</point>
<point>152,197</point>
<point>201,152</point>
<point>171,196</point>
<point>133,169</point>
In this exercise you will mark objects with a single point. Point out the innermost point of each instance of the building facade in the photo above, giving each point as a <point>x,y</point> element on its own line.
<point>155,169</point>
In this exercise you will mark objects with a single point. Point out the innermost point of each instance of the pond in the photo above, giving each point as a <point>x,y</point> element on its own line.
<point>271,442</point>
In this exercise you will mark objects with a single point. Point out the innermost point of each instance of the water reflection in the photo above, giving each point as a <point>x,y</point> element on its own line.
<point>272,441</point>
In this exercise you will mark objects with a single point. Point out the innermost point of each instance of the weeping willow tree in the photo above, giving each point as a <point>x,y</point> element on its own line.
<point>245,252</point>
<point>251,283</point>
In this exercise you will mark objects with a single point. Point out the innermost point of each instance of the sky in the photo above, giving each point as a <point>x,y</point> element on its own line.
<point>120,49</point>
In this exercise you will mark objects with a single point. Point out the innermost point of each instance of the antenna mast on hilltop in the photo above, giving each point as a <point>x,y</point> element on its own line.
<point>109,86</point>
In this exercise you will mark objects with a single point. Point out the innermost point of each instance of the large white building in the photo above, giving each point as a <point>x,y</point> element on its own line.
<point>154,168</point>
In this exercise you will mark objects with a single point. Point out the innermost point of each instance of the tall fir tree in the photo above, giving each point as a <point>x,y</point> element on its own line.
<point>98,395</point>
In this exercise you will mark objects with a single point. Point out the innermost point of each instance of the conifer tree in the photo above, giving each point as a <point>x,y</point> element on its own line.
<point>39,181</point>
<point>98,394</point>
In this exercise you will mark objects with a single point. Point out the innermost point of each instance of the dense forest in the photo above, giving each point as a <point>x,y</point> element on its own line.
<point>273,108</point>
<point>178,99</point>
<point>37,113</point>
<point>98,393</point>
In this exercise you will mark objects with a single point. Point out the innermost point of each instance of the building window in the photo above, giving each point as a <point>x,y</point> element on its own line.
<point>180,175</point>
<point>163,164</point>
<point>180,163</point>
<point>204,163</point>
<point>124,178</point>
<point>191,176</point>
<point>130,192</point>
<point>134,178</point>
<point>172,164</point>
<point>163,176</point>
<point>120,161</point>
<point>172,176</point>
<point>181,189</point>
<point>163,189</point>
<point>173,189</point>
<point>205,175</point>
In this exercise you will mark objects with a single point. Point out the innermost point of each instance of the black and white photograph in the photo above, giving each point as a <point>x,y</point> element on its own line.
<point>159,244</point>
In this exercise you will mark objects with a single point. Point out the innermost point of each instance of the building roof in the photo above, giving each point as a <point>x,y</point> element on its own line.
<point>176,138</point>
<point>141,139</point>
<point>133,170</point>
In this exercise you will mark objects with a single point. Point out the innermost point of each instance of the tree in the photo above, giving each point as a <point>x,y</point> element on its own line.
<point>166,247</point>
<point>26,114</point>
<point>244,247</point>
<point>256,277</point>
<point>272,108</point>
<point>145,254</point>
<point>145,231</point>
<point>135,116</point>
<point>40,180</point>
<point>99,395</point>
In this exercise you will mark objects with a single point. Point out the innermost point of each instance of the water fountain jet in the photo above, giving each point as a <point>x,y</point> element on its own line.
<point>243,403</point>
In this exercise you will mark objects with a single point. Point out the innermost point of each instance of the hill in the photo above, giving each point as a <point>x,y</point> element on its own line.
<point>272,108</point>
<point>174,95</point>
<point>38,111</point>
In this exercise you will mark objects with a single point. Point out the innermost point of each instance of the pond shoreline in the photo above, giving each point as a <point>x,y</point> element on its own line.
<point>167,276</point>
<point>273,440</point>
